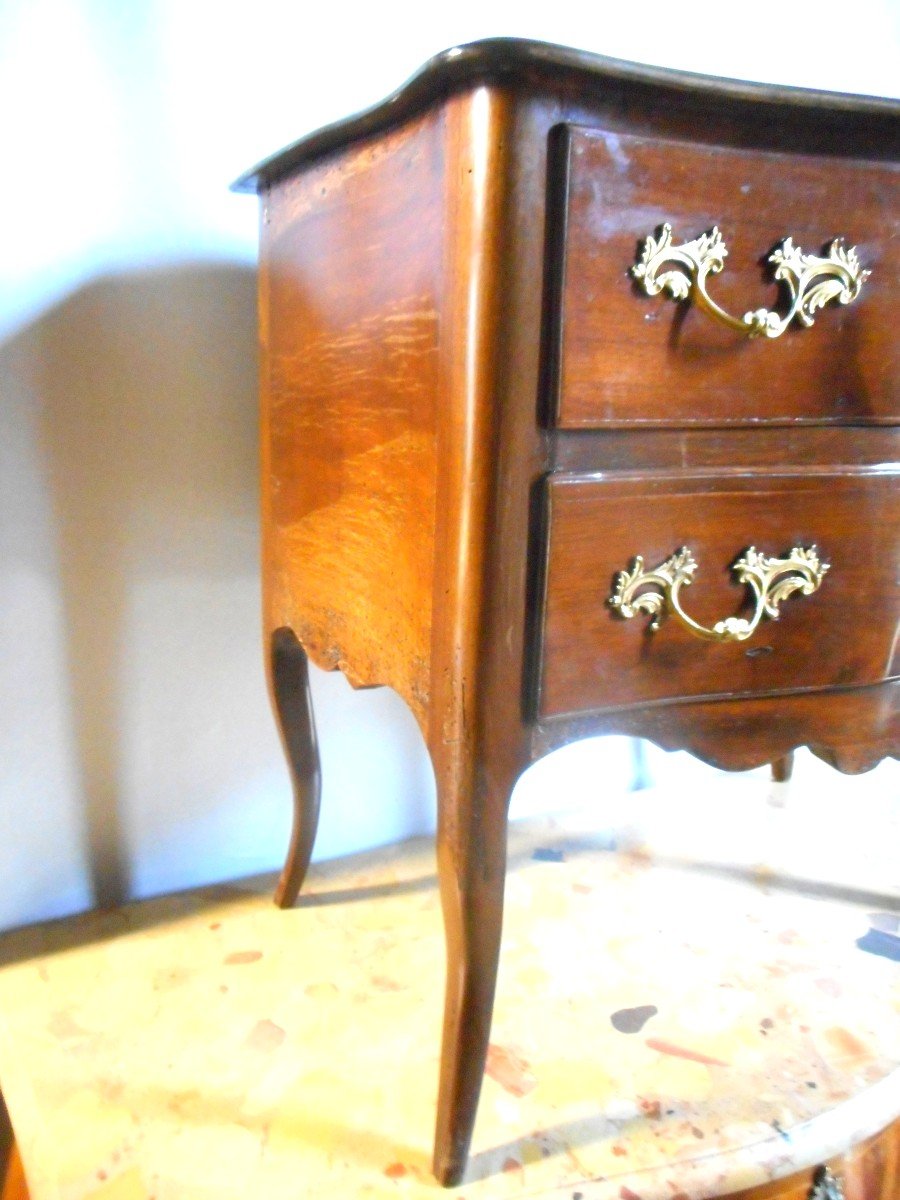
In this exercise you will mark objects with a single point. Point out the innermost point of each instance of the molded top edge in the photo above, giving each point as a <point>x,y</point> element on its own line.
<point>507,60</point>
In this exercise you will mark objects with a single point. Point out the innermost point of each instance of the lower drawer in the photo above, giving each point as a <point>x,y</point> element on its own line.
<point>843,634</point>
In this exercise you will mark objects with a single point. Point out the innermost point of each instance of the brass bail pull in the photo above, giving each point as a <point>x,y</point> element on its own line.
<point>771,580</point>
<point>811,281</point>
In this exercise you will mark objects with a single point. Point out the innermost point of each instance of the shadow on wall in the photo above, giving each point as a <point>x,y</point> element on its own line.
<point>139,754</point>
<point>141,393</point>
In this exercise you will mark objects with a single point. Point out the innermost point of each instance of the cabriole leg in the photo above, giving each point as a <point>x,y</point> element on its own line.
<point>472,871</point>
<point>783,768</point>
<point>289,679</point>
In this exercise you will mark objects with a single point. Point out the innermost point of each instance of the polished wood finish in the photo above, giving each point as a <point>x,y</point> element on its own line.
<point>783,768</point>
<point>289,685</point>
<point>594,659</point>
<point>13,1185</point>
<point>631,358</point>
<point>413,270</point>
<point>350,383</point>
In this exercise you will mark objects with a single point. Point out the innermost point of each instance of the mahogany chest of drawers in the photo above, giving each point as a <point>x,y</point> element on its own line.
<point>526,461</point>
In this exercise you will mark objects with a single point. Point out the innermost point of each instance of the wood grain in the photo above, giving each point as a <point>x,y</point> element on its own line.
<point>852,730</point>
<point>352,255</point>
<point>628,357</point>
<point>412,271</point>
<point>843,635</point>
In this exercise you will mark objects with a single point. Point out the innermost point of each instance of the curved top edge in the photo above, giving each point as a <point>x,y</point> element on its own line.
<point>505,60</point>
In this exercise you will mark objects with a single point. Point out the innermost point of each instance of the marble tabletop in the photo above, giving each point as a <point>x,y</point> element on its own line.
<point>698,993</point>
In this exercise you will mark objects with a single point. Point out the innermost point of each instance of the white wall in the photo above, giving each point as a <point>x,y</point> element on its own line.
<point>137,752</point>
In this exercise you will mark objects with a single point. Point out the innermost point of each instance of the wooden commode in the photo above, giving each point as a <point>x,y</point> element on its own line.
<point>580,404</point>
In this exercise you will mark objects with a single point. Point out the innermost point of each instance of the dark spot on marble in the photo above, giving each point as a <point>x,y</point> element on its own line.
<point>767,1023</point>
<point>239,957</point>
<point>633,1020</point>
<point>697,1131</point>
<point>781,1131</point>
<point>810,1084</point>
<point>548,854</point>
<point>395,1171</point>
<point>578,1196</point>
<point>652,1109</point>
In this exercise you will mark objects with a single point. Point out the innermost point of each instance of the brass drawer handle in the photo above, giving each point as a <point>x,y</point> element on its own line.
<point>772,580</point>
<point>826,1186</point>
<point>811,281</point>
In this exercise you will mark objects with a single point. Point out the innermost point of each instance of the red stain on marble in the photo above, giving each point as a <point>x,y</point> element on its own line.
<point>831,987</point>
<point>395,1171</point>
<point>845,1044</point>
<point>663,1047</point>
<point>265,1036</point>
<point>652,1109</point>
<point>216,925</point>
<point>511,1165</point>
<point>239,957</point>
<point>510,1070</point>
<point>625,1193</point>
<point>63,1026</point>
<point>619,1151</point>
<point>382,984</point>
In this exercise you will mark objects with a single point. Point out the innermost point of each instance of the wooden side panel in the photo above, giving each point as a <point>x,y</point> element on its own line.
<point>626,357</point>
<point>350,296</point>
<point>842,636</point>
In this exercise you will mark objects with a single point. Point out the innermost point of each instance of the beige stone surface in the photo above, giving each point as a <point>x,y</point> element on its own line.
<point>682,1008</point>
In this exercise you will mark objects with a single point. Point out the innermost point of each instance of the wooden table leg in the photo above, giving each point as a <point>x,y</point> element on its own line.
<point>783,768</point>
<point>12,1175</point>
<point>472,870</point>
<point>289,682</point>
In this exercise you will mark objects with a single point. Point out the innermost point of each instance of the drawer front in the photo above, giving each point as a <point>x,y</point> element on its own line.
<point>843,634</point>
<point>624,357</point>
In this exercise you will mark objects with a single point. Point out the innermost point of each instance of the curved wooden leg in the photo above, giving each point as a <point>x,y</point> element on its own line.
<point>783,768</point>
<point>289,677</point>
<point>472,871</point>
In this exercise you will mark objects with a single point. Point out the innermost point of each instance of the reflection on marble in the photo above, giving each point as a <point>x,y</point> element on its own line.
<point>683,1009</point>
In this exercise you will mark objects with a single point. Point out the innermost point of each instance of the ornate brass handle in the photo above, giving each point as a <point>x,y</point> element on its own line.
<point>771,579</point>
<point>826,1186</point>
<point>811,281</point>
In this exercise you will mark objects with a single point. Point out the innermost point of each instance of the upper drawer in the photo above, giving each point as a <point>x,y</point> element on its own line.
<point>624,357</point>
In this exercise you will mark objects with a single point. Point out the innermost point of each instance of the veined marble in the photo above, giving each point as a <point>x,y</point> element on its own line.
<point>683,1010</point>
